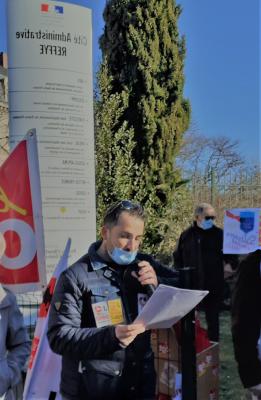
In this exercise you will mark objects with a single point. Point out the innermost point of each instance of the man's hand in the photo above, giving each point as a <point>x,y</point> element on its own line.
<point>127,333</point>
<point>146,274</point>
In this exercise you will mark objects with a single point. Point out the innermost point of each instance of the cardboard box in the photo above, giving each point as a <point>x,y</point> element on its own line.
<point>167,361</point>
<point>168,364</point>
<point>163,397</point>
<point>166,376</point>
<point>208,373</point>
<point>164,344</point>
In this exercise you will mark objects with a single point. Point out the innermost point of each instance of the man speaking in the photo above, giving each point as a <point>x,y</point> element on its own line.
<point>104,354</point>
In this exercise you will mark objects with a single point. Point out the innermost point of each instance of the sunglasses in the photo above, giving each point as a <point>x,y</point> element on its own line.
<point>124,205</point>
<point>208,217</point>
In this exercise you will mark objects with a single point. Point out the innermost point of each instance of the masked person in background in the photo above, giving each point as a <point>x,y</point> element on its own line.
<point>200,247</point>
<point>105,355</point>
<point>246,322</point>
<point>14,345</point>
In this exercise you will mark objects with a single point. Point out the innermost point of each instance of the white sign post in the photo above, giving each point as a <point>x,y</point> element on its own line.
<point>50,89</point>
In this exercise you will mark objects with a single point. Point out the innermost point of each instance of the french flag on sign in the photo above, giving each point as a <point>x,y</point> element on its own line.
<point>44,7</point>
<point>58,9</point>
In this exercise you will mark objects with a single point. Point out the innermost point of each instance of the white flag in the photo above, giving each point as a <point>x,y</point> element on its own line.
<point>44,369</point>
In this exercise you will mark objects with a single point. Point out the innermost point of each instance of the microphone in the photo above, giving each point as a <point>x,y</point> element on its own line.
<point>133,282</point>
<point>150,289</point>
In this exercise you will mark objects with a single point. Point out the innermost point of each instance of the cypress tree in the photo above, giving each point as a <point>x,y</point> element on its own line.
<point>115,166</point>
<point>146,59</point>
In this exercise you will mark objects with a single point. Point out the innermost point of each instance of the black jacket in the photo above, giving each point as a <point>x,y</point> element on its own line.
<point>106,370</point>
<point>246,319</point>
<point>202,249</point>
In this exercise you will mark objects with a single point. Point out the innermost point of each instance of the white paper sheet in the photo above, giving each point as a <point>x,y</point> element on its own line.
<point>168,305</point>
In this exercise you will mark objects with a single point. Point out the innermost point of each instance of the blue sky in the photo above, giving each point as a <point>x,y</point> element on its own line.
<point>221,70</point>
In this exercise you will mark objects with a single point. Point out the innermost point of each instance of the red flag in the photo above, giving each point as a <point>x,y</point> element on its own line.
<point>22,265</point>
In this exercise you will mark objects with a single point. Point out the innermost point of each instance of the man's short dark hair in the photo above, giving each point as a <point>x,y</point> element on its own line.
<point>113,213</point>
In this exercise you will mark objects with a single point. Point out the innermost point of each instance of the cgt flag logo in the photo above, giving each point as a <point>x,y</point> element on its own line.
<point>22,265</point>
<point>52,9</point>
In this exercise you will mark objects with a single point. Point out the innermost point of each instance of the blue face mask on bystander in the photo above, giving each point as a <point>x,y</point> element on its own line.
<point>206,224</point>
<point>122,257</point>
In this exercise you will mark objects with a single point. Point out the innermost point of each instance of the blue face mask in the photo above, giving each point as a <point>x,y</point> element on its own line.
<point>122,257</point>
<point>206,224</point>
